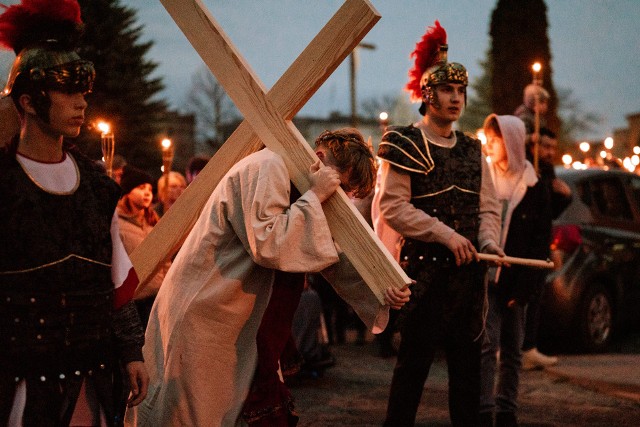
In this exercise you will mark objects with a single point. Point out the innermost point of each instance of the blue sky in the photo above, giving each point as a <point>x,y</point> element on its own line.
<point>595,47</point>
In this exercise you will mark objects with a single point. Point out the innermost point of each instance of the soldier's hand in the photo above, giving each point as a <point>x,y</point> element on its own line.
<point>324,180</point>
<point>462,249</point>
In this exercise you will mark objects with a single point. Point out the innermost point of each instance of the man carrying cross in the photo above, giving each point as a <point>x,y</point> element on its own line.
<point>201,339</point>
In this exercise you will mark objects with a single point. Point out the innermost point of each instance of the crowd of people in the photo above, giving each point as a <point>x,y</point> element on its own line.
<point>259,288</point>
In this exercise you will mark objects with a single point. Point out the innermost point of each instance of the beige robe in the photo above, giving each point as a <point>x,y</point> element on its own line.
<point>201,340</point>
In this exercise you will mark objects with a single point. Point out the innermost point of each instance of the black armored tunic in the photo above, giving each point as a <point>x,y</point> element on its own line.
<point>445,184</point>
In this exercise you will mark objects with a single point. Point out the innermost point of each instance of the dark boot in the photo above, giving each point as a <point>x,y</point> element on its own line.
<point>506,419</point>
<point>486,419</point>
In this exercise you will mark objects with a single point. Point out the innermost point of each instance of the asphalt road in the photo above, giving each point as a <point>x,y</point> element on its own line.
<point>354,393</point>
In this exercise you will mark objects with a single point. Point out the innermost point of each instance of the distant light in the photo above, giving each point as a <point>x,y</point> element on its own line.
<point>635,160</point>
<point>481,136</point>
<point>566,159</point>
<point>636,150</point>
<point>608,143</point>
<point>384,115</point>
<point>162,169</point>
<point>488,159</point>
<point>578,165</point>
<point>536,67</point>
<point>166,143</point>
<point>628,164</point>
<point>603,154</point>
<point>584,147</point>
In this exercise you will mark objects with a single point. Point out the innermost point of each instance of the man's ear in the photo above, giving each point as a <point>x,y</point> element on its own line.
<point>320,155</point>
<point>25,103</point>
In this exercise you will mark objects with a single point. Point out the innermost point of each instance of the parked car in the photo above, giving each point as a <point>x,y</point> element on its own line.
<point>594,291</point>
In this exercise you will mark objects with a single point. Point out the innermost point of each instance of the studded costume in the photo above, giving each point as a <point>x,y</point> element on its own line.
<point>66,316</point>
<point>430,187</point>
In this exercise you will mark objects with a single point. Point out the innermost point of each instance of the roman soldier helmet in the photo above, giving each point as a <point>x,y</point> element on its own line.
<point>431,67</point>
<point>44,34</point>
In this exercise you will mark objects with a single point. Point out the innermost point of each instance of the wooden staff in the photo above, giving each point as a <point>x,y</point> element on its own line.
<point>167,163</point>
<point>536,132</point>
<point>537,263</point>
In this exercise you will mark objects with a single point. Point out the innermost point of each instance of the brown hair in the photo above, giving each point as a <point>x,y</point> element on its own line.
<point>491,123</point>
<point>353,155</point>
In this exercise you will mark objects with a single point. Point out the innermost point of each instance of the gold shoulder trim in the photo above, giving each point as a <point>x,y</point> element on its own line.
<point>452,187</point>
<point>40,267</point>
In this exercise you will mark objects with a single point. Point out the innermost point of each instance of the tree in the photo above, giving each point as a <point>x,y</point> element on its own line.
<point>400,110</point>
<point>479,104</point>
<point>518,40</point>
<point>211,106</point>
<point>124,90</point>
<point>575,121</point>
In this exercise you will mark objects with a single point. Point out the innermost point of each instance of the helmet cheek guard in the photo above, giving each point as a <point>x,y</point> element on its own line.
<point>40,69</point>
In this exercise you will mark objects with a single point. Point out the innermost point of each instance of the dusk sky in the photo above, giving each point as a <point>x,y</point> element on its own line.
<point>595,47</point>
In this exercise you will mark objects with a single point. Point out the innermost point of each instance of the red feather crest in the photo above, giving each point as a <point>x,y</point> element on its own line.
<point>37,20</point>
<point>426,55</point>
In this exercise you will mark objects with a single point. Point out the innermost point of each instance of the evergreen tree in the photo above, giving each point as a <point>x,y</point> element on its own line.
<point>519,39</point>
<point>124,90</point>
<point>479,104</point>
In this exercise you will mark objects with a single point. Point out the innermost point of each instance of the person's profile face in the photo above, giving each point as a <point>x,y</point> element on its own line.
<point>547,149</point>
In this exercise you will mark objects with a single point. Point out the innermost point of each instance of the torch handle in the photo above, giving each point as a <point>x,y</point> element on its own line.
<point>537,263</point>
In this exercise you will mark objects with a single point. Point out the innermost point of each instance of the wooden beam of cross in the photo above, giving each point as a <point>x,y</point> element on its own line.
<point>364,250</point>
<point>315,64</point>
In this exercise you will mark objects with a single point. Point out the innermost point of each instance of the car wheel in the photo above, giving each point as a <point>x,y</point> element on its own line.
<point>595,319</point>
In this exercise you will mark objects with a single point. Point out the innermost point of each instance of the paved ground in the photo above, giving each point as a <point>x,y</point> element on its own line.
<point>595,390</point>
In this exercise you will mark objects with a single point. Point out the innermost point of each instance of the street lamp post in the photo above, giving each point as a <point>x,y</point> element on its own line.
<point>352,81</point>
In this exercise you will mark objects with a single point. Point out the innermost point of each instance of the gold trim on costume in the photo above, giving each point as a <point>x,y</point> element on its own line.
<point>444,191</point>
<point>28,270</point>
<point>43,188</point>
<point>428,164</point>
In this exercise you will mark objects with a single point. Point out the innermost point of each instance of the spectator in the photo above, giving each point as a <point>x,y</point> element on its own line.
<point>560,198</point>
<point>168,194</point>
<point>118,164</point>
<point>525,233</point>
<point>136,220</point>
<point>195,165</point>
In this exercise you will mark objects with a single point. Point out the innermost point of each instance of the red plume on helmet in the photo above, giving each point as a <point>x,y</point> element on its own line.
<point>426,56</point>
<point>34,21</point>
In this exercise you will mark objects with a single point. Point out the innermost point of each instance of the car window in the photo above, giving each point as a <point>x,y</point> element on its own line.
<point>635,189</point>
<point>610,199</point>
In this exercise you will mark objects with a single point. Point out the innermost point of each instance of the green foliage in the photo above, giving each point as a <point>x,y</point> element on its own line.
<point>124,90</point>
<point>479,104</point>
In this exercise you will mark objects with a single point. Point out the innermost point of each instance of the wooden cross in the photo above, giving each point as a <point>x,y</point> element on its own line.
<point>267,121</point>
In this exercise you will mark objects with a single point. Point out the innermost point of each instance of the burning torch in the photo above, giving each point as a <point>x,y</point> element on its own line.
<point>108,144</point>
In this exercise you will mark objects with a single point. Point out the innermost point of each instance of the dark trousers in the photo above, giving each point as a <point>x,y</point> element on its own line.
<point>532,322</point>
<point>422,333</point>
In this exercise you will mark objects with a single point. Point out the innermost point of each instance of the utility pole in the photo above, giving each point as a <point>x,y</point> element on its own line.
<point>352,81</point>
